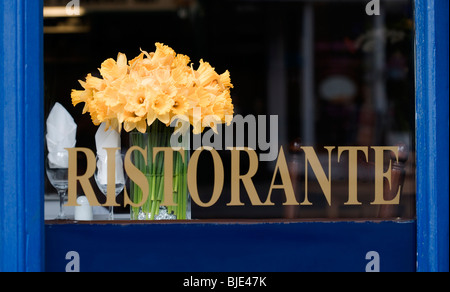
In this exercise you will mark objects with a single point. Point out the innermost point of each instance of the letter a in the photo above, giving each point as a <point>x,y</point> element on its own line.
<point>373,7</point>
<point>286,185</point>
<point>73,8</point>
<point>74,265</point>
<point>74,178</point>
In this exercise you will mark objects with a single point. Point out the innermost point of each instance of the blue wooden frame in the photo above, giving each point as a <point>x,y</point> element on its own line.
<point>233,246</point>
<point>432,120</point>
<point>22,136</point>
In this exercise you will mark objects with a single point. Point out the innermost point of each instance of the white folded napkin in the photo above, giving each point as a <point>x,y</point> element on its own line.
<point>61,133</point>
<point>108,139</point>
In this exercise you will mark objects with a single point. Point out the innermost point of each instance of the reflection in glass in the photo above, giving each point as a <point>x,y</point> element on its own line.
<point>333,75</point>
<point>58,177</point>
<point>102,180</point>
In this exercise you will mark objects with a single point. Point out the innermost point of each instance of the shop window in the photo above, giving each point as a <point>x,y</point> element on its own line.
<point>341,88</point>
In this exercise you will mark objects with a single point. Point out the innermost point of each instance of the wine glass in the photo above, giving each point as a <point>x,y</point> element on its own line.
<point>57,169</point>
<point>101,177</point>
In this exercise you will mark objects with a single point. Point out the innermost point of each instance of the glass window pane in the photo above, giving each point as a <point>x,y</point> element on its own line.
<point>340,83</point>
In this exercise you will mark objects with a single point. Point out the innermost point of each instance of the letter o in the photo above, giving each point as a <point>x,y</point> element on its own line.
<point>219,177</point>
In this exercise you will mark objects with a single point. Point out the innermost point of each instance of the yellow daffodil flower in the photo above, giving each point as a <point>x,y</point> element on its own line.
<point>156,86</point>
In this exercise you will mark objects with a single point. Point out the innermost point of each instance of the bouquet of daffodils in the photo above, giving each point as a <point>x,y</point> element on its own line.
<point>156,86</point>
<point>145,95</point>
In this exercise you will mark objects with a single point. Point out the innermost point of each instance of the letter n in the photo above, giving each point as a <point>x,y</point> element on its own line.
<point>325,183</point>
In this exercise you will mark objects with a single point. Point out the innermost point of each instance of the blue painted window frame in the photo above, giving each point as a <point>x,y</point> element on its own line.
<point>432,123</point>
<point>22,135</point>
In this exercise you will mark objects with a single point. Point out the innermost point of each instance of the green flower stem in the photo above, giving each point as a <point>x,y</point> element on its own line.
<point>176,182</point>
<point>183,188</point>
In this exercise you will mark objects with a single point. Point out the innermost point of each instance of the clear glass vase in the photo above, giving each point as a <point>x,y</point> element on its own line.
<point>158,135</point>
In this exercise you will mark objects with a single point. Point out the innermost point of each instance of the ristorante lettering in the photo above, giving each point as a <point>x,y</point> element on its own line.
<point>238,177</point>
